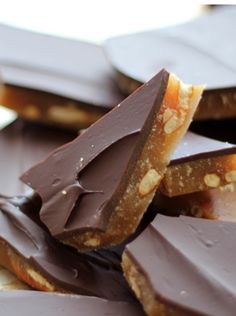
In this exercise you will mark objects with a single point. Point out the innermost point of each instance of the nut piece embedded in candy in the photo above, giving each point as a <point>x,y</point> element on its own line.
<point>32,112</point>
<point>171,125</point>
<point>230,176</point>
<point>9,282</point>
<point>149,182</point>
<point>198,164</point>
<point>167,115</point>
<point>214,203</point>
<point>212,180</point>
<point>93,242</point>
<point>71,115</point>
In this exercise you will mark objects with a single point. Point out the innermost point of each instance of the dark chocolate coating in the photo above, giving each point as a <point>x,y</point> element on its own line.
<point>21,146</point>
<point>80,183</point>
<point>69,270</point>
<point>190,264</point>
<point>69,68</point>
<point>199,51</point>
<point>193,147</point>
<point>28,303</point>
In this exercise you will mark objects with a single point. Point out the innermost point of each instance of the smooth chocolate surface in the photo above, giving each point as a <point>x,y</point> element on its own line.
<point>73,198</point>
<point>27,303</point>
<point>199,51</point>
<point>194,147</point>
<point>94,275</point>
<point>69,68</point>
<point>190,264</point>
<point>21,146</point>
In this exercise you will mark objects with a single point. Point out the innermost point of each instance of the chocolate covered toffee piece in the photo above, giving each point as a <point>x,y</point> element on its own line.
<point>199,164</point>
<point>9,282</point>
<point>96,189</point>
<point>184,266</point>
<point>55,80</point>
<point>21,146</point>
<point>28,251</point>
<point>28,303</point>
<point>212,204</point>
<point>137,57</point>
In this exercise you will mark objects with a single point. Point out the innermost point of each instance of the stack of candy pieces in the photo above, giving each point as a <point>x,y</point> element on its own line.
<point>136,215</point>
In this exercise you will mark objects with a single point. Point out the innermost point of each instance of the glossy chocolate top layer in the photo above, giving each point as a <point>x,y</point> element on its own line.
<point>21,146</point>
<point>194,147</point>
<point>203,45</point>
<point>81,182</point>
<point>26,303</point>
<point>68,68</point>
<point>70,271</point>
<point>190,263</point>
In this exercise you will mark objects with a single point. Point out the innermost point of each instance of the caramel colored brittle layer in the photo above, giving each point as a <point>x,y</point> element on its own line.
<point>48,108</point>
<point>219,204</point>
<point>199,175</point>
<point>9,282</point>
<point>216,104</point>
<point>169,126</point>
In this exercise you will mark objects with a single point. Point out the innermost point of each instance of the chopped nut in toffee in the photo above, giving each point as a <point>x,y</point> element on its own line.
<point>217,204</point>
<point>8,281</point>
<point>199,164</point>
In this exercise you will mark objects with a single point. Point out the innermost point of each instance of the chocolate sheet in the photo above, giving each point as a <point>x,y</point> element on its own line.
<point>65,67</point>
<point>199,51</point>
<point>21,146</point>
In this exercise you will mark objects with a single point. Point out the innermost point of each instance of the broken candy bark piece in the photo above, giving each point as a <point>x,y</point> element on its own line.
<point>26,303</point>
<point>29,252</point>
<point>96,189</point>
<point>40,106</point>
<point>55,80</point>
<point>199,164</point>
<point>184,266</point>
<point>137,57</point>
<point>217,204</point>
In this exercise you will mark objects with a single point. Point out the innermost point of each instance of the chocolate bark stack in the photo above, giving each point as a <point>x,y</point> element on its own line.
<point>100,192</point>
